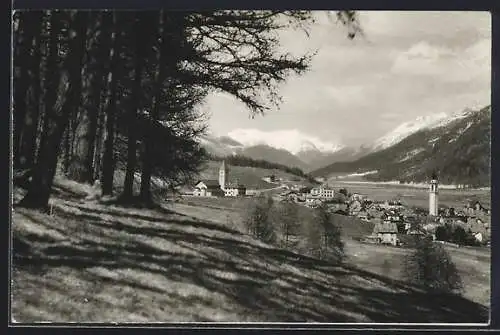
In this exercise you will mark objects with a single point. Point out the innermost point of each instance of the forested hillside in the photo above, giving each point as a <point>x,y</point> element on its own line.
<point>459,152</point>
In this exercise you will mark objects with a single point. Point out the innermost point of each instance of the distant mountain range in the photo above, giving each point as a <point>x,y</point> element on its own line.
<point>290,148</point>
<point>408,152</point>
<point>456,147</point>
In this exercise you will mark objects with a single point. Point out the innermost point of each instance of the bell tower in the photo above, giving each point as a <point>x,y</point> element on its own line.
<point>433,195</point>
<point>223,174</point>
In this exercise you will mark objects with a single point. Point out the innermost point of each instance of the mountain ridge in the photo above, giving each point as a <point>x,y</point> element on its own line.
<point>457,147</point>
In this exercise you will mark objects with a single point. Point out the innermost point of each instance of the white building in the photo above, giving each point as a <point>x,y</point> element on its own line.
<point>234,190</point>
<point>210,188</point>
<point>323,192</point>
<point>207,188</point>
<point>433,196</point>
<point>223,174</point>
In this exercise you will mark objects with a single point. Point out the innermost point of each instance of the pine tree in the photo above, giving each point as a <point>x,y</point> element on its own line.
<point>333,245</point>
<point>259,220</point>
<point>431,266</point>
<point>288,220</point>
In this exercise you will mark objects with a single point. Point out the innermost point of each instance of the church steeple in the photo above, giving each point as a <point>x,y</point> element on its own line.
<point>433,195</point>
<point>223,174</point>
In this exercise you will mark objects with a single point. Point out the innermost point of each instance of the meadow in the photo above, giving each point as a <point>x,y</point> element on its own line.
<point>97,261</point>
<point>473,263</point>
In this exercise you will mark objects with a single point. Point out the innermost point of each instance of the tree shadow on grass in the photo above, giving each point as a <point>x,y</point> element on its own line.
<point>261,282</point>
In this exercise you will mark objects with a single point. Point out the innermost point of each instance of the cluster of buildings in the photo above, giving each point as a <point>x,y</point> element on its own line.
<point>398,219</point>
<point>393,218</point>
<point>221,187</point>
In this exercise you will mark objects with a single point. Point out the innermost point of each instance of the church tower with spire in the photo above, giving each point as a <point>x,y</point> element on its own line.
<point>223,174</point>
<point>433,196</point>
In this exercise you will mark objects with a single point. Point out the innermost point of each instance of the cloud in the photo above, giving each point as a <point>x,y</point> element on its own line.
<point>444,64</point>
<point>409,64</point>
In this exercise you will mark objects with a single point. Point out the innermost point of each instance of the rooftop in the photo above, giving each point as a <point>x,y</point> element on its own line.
<point>385,227</point>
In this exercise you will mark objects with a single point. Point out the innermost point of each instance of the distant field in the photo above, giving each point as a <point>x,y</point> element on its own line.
<point>416,196</point>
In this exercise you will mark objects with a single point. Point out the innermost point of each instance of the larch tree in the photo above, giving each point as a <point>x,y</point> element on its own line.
<point>63,91</point>
<point>81,167</point>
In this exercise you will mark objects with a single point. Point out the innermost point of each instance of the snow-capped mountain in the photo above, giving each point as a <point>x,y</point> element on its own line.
<point>220,146</point>
<point>457,146</point>
<point>293,141</point>
<point>406,129</point>
<point>287,147</point>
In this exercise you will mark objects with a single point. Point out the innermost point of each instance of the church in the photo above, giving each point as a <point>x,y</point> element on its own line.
<point>211,188</point>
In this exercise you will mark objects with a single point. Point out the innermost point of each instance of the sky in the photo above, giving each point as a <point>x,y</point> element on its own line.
<point>406,65</point>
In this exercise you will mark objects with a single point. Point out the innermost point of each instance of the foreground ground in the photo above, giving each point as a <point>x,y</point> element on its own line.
<point>90,261</point>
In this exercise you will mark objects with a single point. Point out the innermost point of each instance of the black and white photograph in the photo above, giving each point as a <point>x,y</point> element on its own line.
<point>250,167</point>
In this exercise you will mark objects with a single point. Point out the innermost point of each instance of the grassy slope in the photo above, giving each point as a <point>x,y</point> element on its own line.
<point>99,262</point>
<point>473,264</point>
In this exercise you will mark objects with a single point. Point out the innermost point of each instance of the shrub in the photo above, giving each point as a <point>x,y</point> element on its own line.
<point>443,233</point>
<point>431,266</point>
<point>459,236</point>
<point>258,219</point>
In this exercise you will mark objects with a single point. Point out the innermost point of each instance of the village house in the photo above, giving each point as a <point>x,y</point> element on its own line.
<point>386,232</point>
<point>355,207</point>
<point>357,196</point>
<point>270,178</point>
<point>234,190</point>
<point>185,190</point>
<point>312,201</point>
<point>479,237</point>
<point>208,188</point>
<point>290,195</point>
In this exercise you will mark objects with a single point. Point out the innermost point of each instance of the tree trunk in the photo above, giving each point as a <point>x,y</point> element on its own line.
<point>67,148</point>
<point>100,132</point>
<point>28,136</point>
<point>62,95</point>
<point>82,168</point>
<point>108,159</point>
<point>26,30</point>
<point>148,139</point>
<point>128,190</point>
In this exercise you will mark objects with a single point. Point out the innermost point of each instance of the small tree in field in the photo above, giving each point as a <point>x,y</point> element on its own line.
<point>323,236</point>
<point>259,221</point>
<point>312,244</point>
<point>288,221</point>
<point>332,235</point>
<point>431,266</point>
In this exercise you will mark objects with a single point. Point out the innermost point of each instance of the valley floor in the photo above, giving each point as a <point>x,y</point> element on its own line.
<point>90,261</point>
